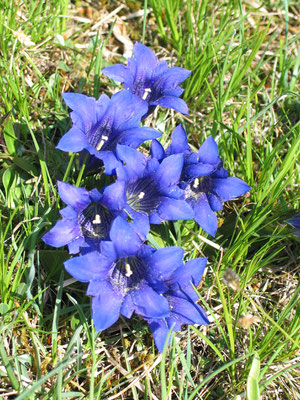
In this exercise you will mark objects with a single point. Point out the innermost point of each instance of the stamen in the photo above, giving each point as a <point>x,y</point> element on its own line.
<point>196,183</point>
<point>102,141</point>
<point>97,220</point>
<point>141,195</point>
<point>128,270</point>
<point>147,90</point>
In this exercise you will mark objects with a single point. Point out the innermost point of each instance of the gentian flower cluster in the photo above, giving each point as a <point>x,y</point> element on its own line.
<point>106,228</point>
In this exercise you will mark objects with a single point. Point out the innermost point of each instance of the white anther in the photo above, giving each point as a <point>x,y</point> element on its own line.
<point>97,219</point>
<point>148,90</point>
<point>128,270</point>
<point>141,195</point>
<point>102,141</point>
<point>196,183</point>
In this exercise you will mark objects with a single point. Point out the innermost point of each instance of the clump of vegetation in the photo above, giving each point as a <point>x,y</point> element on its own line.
<point>243,91</point>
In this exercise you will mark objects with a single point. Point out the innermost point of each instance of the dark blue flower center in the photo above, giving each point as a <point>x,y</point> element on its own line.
<point>143,195</point>
<point>201,184</point>
<point>156,90</point>
<point>95,222</point>
<point>101,133</point>
<point>127,273</point>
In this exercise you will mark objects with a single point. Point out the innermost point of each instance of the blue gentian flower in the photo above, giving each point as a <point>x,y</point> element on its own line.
<point>126,276</point>
<point>150,79</point>
<point>204,180</point>
<point>98,125</point>
<point>86,219</point>
<point>182,299</point>
<point>295,222</point>
<point>147,190</point>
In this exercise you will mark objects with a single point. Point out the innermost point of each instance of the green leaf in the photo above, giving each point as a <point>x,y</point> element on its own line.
<point>10,138</point>
<point>3,308</point>
<point>25,165</point>
<point>253,379</point>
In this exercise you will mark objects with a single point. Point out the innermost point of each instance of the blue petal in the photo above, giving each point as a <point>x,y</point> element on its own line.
<point>114,196</point>
<point>174,322</point>
<point>174,76</point>
<point>165,261</point>
<point>187,312</point>
<point>295,222</point>
<point>127,307</point>
<point>220,173</point>
<point>169,170</point>
<point>139,223</point>
<point>73,141</point>
<point>172,102</point>
<point>76,245</point>
<point>160,69</point>
<point>208,152</point>
<point>191,271</point>
<point>84,107</point>
<point>135,162</point>
<point>110,161</point>
<point>191,158</point>
<point>214,202</point>
<point>155,219</point>
<point>76,197</point>
<point>151,167</point>
<point>179,143</point>
<point>157,151</point>
<point>156,283</point>
<point>68,212</point>
<point>160,330</point>
<point>107,249</point>
<point>132,66</point>
<point>106,306</point>
<point>135,137</point>
<point>117,72</point>
<point>175,192</point>
<point>149,303</point>
<point>199,169</point>
<point>229,188</point>
<point>95,195</point>
<point>173,209</point>
<point>91,266</point>
<point>204,215</point>
<point>145,59</point>
<point>174,92</point>
<point>63,232</point>
<point>102,104</point>
<point>128,110</point>
<point>126,241</point>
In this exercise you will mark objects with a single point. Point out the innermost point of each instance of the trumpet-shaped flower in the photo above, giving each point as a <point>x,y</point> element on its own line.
<point>126,276</point>
<point>150,79</point>
<point>86,219</point>
<point>98,125</point>
<point>147,190</point>
<point>182,298</point>
<point>205,182</point>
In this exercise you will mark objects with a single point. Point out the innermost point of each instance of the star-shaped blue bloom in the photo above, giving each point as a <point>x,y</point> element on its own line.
<point>204,180</point>
<point>126,276</point>
<point>98,125</point>
<point>150,79</point>
<point>86,219</point>
<point>148,190</point>
<point>182,298</point>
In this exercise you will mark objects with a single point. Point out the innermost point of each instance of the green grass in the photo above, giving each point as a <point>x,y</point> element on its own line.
<point>244,91</point>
